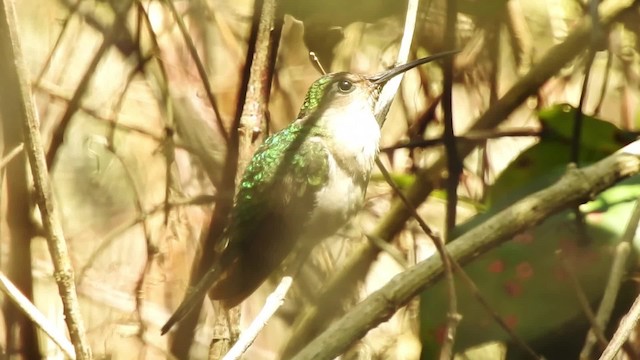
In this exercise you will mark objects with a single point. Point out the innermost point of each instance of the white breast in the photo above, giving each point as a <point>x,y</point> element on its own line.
<point>353,146</point>
<point>336,203</point>
<point>355,133</point>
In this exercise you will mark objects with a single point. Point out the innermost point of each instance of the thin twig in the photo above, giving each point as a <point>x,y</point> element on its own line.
<point>181,115</point>
<point>108,239</point>
<point>390,250</point>
<point>151,249</point>
<point>65,26</point>
<point>273,302</point>
<point>38,318</point>
<point>56,93</point>
<point>202,72</point>
<point>605,83</point>
<point>616,276</point>
<point>520,35</point>
<point>117,107</point>
<point>632,226</point>
<point>316,63</point>
<point>74,103</point>
<point>63,271</point>
<point>168,144</point>
<point>11,155</point>
<point>577,121</point>
<point>627,325</point>
<point>389,91</point>
<point>576,138</point>
<point>453,317</point>
<point>475,137</point>
<point>468,281</point>
<point>492,32</point>
<point>475,292</point>
<point>582,299</point>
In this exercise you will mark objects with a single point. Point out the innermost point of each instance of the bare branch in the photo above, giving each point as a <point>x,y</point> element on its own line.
<point>202,72</point>
<point>624,330</point>
<point>11,155</point>
<point>273,302</point>
<point>32,312</point>
<point>389,91</point>
<point>616,276</point>
<point>63,272</point>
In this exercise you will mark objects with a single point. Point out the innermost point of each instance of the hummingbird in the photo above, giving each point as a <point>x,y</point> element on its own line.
<point>301,186</point>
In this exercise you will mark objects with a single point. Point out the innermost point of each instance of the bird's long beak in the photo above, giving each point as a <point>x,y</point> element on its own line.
<point>383,77</point>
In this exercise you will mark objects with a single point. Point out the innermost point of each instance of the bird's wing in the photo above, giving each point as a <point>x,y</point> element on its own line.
<point>276,196</point>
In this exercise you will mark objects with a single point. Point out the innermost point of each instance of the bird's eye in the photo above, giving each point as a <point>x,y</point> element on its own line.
<point>345,86</point>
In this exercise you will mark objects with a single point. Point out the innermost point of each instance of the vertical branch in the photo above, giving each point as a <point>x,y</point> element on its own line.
<point>388,93</point>
<point>577,121</point>
<point>453,161</point>
<point>253,118</point>
<point>252,112</point>
<point>493,44</point>
<point>20,334</point>
<point>63,272</point>
<point>455,168</point>
<point>251,77</point>
<point>605,83</point>
<point>598,36</point>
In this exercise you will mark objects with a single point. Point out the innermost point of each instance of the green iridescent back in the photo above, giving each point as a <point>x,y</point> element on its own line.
<point>275,199</point>
<point>269,156</point>
<point>286,159</point>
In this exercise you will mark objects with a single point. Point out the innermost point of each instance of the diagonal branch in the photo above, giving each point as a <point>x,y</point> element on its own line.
<point>576,186</point>
<point>202,72</point>
<point>13,293</point>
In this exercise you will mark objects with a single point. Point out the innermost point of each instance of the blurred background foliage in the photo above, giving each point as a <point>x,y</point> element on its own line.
<point>136,155</point>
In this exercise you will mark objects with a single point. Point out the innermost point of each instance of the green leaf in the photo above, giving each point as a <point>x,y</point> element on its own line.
<point>543,163</point>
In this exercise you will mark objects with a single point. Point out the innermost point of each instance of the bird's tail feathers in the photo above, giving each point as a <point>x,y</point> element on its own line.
<point>192,298</point>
